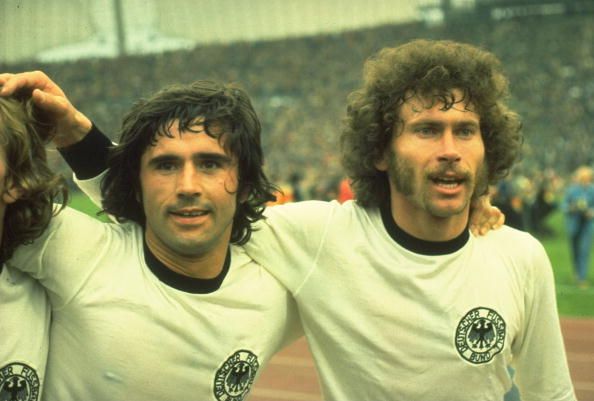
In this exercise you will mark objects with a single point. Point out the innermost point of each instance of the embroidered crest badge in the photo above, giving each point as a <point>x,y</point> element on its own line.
<point>19,382</point>
<point>234,379</point>
<point>480,335</point>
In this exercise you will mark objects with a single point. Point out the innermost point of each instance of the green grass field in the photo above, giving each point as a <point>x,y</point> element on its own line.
<point>571,300</point>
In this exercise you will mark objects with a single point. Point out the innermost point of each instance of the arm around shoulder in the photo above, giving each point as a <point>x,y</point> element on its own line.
<point>62,257</point>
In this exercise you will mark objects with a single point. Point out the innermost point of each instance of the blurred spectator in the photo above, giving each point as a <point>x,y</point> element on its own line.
<point>578,206</point>
<point>344,190</point>
<point>506,197</point>
<point>548,187</point>
<point>295,183</point>
<point>299,88</point>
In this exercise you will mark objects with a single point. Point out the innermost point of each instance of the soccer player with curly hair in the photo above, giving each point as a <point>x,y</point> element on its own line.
<point>398,299</point>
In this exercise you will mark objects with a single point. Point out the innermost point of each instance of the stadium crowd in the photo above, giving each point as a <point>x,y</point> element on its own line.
<point>300,88</point>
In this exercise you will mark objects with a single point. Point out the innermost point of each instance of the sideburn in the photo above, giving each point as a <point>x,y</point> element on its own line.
<point>401,174</point>
<point>481,186</point>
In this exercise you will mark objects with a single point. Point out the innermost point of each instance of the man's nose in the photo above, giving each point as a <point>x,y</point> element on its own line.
<point>189,182</point>
<point>448,147</point>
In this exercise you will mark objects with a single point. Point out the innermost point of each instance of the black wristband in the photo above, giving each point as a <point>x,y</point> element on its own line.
<point>88,158</point>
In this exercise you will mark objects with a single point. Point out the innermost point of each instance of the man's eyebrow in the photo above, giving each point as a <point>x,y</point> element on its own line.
<point>424,122</point>
<point>199,156</point>
<point>438,123</point>
<point>163,158</point>
<point>468,123</point>
<point>221,157</point>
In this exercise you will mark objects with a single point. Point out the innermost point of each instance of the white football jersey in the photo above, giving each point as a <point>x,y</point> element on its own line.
<point>391,317</point>
<point>125,327</point>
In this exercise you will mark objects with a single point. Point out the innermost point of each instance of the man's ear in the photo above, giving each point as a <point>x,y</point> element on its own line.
<point>11,193</point>
<point>382,162</point>
<point>243,195</point>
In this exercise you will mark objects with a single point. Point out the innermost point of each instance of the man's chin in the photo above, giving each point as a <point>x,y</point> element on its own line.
<point>446,211</point>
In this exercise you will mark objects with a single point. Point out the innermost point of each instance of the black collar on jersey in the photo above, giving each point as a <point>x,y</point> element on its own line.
<point>185,283</point>
<point>418,245</point>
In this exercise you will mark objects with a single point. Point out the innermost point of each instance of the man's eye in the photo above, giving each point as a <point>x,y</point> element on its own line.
<point>165,166</point>
<point>425,131</point>
<point>209,165</point>
<point>466,132</point>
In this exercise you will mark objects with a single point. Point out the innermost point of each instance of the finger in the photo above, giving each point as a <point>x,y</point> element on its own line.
<point>28,80</point>
<point>4,77</point>
<point>501,220</point>
<point>55,105</point>
<point>39,80</point>
<point>493,219</point>
<point>12,83</point>
<point>496,218</point>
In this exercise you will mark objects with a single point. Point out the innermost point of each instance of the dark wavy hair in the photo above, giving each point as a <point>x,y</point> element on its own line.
<point>430,70</point>
<point>225,105</point>
<point>23,135</point>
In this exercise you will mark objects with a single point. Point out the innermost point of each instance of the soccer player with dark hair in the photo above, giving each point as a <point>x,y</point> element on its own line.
<point>28,190</point>
<point>165,305</point>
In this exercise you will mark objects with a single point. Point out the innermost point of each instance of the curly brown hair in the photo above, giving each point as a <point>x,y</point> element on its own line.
<point>23,135</point>
<point>224,105</point>
<point>430,70</point>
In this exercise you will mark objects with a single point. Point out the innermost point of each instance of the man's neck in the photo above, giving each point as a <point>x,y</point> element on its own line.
<point>423,225</point>
<point>206,265</point>
<point>417,245</point>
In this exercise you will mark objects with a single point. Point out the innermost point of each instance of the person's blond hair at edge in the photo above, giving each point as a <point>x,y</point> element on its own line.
<point>23,137</point>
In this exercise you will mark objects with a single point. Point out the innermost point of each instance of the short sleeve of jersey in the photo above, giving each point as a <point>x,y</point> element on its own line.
<point>63,257</point>
<point>539,357</point>
<point>91,187</point>
<point>287,243</point>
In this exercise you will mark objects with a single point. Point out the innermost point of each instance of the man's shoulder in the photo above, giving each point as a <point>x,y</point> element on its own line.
<point>73,224</point>
<point>314,210</point>
<point>245,268</point>
<point>509,240</point>
<point>239,256</point>
<point>300,207</point>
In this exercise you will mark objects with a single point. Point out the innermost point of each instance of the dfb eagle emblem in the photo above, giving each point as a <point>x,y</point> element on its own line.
<point>234,378</point>
<point>19,382</point>
<point>480,335</point>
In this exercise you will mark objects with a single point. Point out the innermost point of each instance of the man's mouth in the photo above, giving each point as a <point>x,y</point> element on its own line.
<point>189,213</point>
<point>447,182</point>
